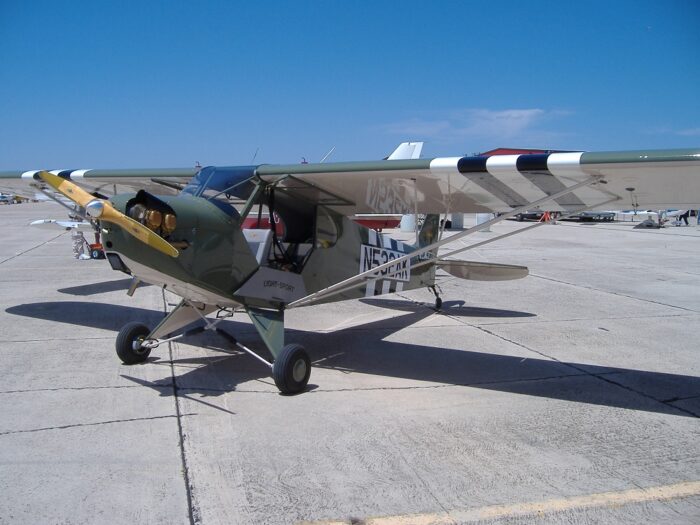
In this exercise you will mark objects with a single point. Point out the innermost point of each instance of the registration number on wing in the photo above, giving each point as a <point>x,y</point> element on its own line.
<point>373,256</point>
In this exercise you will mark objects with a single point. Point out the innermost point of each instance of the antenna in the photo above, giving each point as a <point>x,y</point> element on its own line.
<point>328,154</point>
<point>255,154</point>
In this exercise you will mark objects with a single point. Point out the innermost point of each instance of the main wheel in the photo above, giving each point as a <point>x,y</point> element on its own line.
<point>129,341</point>
<point>292,369</point>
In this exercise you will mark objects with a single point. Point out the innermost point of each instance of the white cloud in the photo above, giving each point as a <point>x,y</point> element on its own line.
<point>689,132</point>
<point>479,124</point>
<point>507,123</point>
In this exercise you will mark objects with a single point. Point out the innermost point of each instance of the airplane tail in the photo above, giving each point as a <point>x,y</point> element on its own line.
<point>406,150</point>
<point>470,270</point>
<point>427,235</point>
<point>429,232</point>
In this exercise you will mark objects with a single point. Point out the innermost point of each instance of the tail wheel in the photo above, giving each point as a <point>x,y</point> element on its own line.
<point>128,345</point>
<point>292,369</point>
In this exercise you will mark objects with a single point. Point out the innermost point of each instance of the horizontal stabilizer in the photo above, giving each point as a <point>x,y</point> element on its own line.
<point>479,271</point>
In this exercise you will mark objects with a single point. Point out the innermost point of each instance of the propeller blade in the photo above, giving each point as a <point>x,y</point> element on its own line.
<point>67,188</point>
<point>104,211</point>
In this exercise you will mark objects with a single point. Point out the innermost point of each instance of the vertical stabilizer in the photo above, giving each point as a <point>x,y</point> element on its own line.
<point>429,232</point>
<point>407,150</point>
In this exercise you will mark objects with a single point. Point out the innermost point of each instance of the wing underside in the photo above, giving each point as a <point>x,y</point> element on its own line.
<point>649,179</point>
<point>653,179</point>
<point>166,181</point>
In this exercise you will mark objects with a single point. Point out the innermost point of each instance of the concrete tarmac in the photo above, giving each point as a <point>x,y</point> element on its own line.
<point>572,395</point>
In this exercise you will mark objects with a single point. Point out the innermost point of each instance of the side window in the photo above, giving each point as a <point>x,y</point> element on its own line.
<point>326,229</point>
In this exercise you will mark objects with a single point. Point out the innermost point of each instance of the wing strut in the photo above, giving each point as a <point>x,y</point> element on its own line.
<point>487,241</point>
<point>509,234</point>
<point>361,277</point>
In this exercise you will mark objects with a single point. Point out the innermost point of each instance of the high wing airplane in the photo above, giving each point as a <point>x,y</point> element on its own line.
<point>405,150</point>
<point>192,242</point>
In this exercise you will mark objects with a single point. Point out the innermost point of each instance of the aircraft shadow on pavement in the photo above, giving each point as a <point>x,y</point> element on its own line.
<point>364,349</point>
<point>452,308</point>
<point>87,314</point>
<point>98,288</point>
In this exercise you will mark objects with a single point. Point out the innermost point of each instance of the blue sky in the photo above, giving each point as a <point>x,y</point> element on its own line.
<point>147,84</point>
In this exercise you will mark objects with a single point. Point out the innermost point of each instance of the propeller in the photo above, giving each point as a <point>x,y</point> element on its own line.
<point>104,211</point>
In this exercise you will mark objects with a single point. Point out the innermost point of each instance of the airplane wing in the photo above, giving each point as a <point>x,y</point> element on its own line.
<point>54,224</point>
<point>112,181</point>
<point>104,181</point>
<point>506,184</point>
<point>655,179</point>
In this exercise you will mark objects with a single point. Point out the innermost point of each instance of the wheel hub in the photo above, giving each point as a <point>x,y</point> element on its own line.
<point>299,370</point>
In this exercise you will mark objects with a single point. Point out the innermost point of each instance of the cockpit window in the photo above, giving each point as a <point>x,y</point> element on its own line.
<point>222,185</point>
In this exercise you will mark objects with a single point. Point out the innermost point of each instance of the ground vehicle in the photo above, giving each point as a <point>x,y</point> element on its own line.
<point>530,215</point>
<point>594,216</point>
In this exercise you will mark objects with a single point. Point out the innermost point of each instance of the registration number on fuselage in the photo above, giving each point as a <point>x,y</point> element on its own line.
<point>373,256</point>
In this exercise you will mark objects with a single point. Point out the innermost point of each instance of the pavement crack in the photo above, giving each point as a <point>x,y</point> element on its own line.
<point>78,425</point>
<point>53,339</point>
<point>32,248</point>
<point>192,509</point>
<point>678,398</point>
<point>474,384</point>
<point>70,388</point>
<point>599,375</point>
<point>416,471</point>
<point>618,294</point>
<point>583,371</point>
<point>578,319</point>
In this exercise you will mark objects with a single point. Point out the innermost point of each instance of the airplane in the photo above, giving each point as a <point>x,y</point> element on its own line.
<point>193,243</point>
<point>405,150</point>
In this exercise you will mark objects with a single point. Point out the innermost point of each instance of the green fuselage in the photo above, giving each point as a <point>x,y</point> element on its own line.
<point>216,257</point>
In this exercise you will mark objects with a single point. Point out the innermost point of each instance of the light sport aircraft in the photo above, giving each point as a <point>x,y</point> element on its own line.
<point>193,243</point>
<point>405,150</point>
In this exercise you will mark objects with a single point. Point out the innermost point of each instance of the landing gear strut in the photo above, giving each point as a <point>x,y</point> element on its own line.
<point>291,368</point>
<point>438,300</point>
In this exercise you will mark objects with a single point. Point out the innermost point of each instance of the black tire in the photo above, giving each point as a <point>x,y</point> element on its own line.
<point>128,336</point>
<point>95,254</point>
<point>438,303</point>
<point>292,369</point>
<point>519,217</point>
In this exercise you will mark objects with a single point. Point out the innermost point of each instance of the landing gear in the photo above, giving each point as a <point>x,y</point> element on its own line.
<point>129,345</point>
<point>291,369</point>
<point>438,299</point>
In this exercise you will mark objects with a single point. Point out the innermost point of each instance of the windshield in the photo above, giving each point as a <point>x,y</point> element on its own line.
<point>222,185</point>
